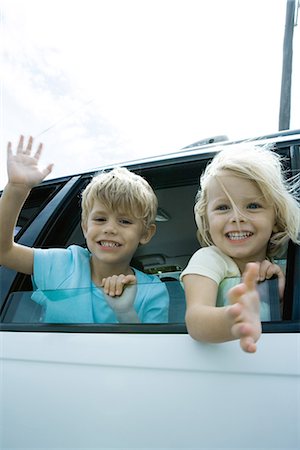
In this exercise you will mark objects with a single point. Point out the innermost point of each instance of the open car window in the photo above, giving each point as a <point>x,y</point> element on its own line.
<point>89,305</point>
<point>51,219</point>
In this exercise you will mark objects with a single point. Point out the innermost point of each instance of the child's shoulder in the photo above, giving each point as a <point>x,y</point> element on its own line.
<point>212,263</point>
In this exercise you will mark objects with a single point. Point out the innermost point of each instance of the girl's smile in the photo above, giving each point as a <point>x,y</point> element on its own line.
<point>238,236</point>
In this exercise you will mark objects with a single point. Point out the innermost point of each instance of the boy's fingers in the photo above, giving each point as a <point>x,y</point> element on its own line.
<point>39,151</point>
<point>129,279</point>
<point>29,146</point>
<point>112,286</point>
<point>9,149</point>
<point>20,144</point>
<point>119,287</point>
<point>47,170</point>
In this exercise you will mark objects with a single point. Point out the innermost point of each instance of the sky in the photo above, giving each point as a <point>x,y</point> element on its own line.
<point>107,81</point>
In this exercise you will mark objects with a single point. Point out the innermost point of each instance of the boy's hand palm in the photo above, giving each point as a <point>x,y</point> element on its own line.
<point>22,167</point>
<point>123,303</point>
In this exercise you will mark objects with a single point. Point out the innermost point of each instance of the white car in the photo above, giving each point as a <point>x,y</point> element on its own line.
<point>146,386</point>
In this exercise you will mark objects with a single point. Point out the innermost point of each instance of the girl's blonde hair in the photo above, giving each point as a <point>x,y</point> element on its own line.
<point>263,166</point>
<point>123,191</point>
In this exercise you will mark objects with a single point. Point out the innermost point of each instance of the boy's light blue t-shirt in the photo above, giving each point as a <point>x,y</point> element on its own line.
<point>65,290</point>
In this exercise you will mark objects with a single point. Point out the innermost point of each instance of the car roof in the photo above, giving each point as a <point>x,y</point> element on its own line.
<point>206,147</point>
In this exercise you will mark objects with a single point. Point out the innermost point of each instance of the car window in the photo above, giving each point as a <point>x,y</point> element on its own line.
<point>59,306</point>
<point>175,182</point>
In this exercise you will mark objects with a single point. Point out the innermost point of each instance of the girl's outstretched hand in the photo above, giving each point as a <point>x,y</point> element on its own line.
<point>22,167</point>
<point>244,310</point>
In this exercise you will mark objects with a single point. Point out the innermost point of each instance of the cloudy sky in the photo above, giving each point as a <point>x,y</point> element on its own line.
<point>100,81</point>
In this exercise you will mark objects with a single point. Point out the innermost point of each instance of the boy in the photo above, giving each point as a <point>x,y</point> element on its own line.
<point>95,284</point>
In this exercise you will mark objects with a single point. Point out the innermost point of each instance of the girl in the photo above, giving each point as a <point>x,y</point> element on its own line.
<point>245,213</point>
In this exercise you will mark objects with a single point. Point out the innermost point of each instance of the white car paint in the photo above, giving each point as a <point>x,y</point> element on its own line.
<point>138,391</point>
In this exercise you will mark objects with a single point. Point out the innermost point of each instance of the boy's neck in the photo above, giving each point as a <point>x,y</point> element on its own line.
<point>100,271</point>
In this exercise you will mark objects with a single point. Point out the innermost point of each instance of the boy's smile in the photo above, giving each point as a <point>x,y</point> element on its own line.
<point>240,220</point>
<point>108,245</point>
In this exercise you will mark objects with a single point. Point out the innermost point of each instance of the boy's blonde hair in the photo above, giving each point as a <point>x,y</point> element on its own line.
<point>123,191</point>
<point>262,166</point>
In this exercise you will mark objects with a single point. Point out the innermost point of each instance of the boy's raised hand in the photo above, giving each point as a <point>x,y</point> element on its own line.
<point>22,167</point>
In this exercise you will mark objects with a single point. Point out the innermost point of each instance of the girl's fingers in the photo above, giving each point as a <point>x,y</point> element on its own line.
<point>250,275</point>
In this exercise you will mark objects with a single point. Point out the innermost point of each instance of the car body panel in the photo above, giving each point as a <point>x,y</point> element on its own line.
<point>129,391</point>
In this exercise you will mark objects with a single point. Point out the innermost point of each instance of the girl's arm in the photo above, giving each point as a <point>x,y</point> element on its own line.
<point>240,320</point>
<point>205,322</point>
<point>23,174</point>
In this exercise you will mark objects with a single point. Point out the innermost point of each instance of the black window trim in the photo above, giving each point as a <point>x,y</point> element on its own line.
<point>36,228</point>
<point>290,326</point>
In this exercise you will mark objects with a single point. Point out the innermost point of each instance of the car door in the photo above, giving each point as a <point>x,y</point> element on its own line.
<point>147,385</point>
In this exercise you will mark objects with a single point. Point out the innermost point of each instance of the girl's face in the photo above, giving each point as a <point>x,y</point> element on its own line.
<point>239,218</point>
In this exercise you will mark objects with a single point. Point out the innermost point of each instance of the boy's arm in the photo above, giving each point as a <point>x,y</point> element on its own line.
<point>23,174</point>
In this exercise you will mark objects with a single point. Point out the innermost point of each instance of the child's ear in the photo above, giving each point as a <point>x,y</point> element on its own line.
<point>275,228</point>
<point>148,234</point>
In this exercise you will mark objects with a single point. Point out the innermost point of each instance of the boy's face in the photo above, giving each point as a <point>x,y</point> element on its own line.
<point>113,237</point>
<point>241,228</point>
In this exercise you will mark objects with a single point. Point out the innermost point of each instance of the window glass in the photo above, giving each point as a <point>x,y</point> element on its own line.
<point>89,305</point>
<point>155,302</point>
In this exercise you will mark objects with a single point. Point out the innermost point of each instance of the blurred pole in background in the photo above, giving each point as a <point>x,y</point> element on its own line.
<point>287,65</point>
